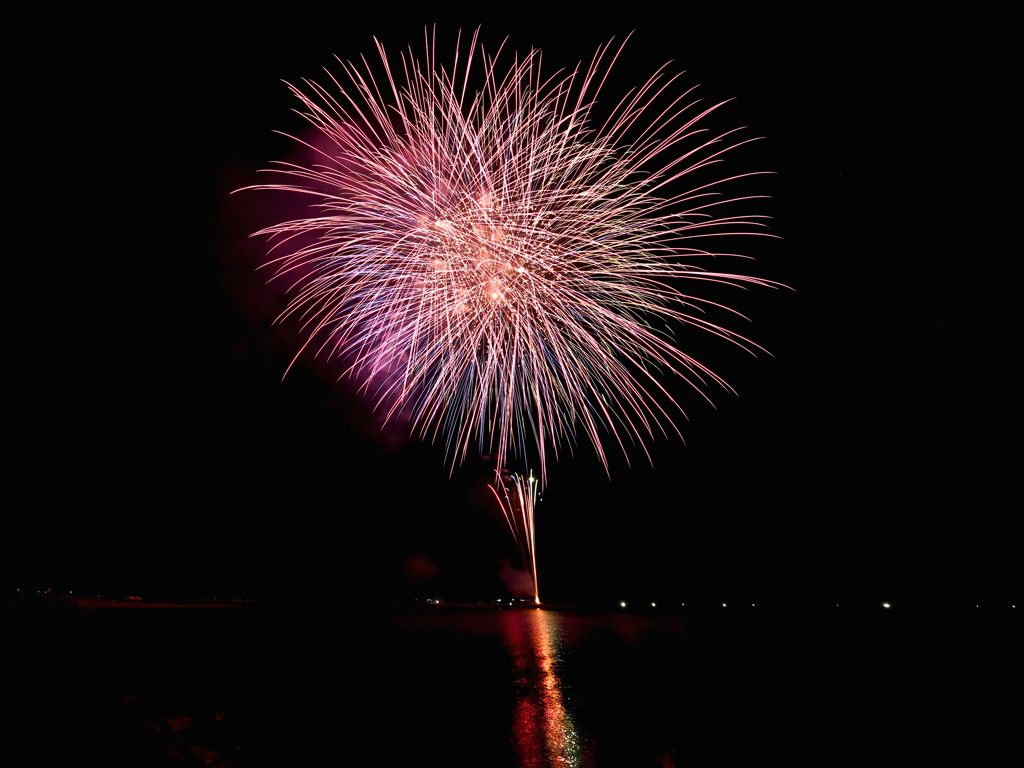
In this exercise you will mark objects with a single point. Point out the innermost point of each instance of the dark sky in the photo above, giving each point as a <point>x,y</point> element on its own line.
<point>155,449</point>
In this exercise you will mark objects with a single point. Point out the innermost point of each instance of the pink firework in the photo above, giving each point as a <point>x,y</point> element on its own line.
<point>499,262</point>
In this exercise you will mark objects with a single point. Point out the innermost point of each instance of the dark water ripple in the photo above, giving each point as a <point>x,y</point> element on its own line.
<point>262,687</point>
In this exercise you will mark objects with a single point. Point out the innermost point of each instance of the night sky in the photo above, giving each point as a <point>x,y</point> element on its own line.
<point>155,449</point>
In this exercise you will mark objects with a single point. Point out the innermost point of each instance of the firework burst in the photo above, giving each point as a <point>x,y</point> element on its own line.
<point>501,264</point>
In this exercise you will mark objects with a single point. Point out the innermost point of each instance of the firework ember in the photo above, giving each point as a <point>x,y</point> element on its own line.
<point>502,264</point>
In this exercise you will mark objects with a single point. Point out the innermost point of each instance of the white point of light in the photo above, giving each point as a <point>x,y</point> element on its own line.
<point>623,603</point>
<point>652,605</point>
<point>885,605</point>
<point>723,605</point>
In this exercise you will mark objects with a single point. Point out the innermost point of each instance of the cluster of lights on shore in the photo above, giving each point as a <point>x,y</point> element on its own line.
<point>623,604</point>
<point>511,601</point>
<point>886,605</point>
<point>653,604</point>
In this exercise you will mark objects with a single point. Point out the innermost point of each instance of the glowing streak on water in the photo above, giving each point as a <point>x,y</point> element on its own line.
<point>543,729</point>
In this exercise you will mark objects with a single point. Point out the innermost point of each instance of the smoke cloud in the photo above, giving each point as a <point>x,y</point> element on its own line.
<point>419,567</point>
<point>517,580</point>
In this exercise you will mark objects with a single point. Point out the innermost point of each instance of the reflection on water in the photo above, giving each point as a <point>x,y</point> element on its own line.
<point>543,730</point>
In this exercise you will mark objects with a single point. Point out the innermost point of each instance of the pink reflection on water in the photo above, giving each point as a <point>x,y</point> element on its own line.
<point>542,729</point>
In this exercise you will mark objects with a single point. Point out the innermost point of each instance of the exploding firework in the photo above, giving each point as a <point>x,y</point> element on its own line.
<point>517,497</point>
<point>505,267</point>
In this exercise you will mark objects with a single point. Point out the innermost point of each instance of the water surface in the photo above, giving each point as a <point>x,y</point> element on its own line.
<point>536,687</point>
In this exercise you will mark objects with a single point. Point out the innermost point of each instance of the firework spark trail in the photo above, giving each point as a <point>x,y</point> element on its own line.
<point>520,502</point>
<point>499,261</point>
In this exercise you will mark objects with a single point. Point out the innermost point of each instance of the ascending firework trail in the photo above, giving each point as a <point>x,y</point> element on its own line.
<point>517,497</point>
